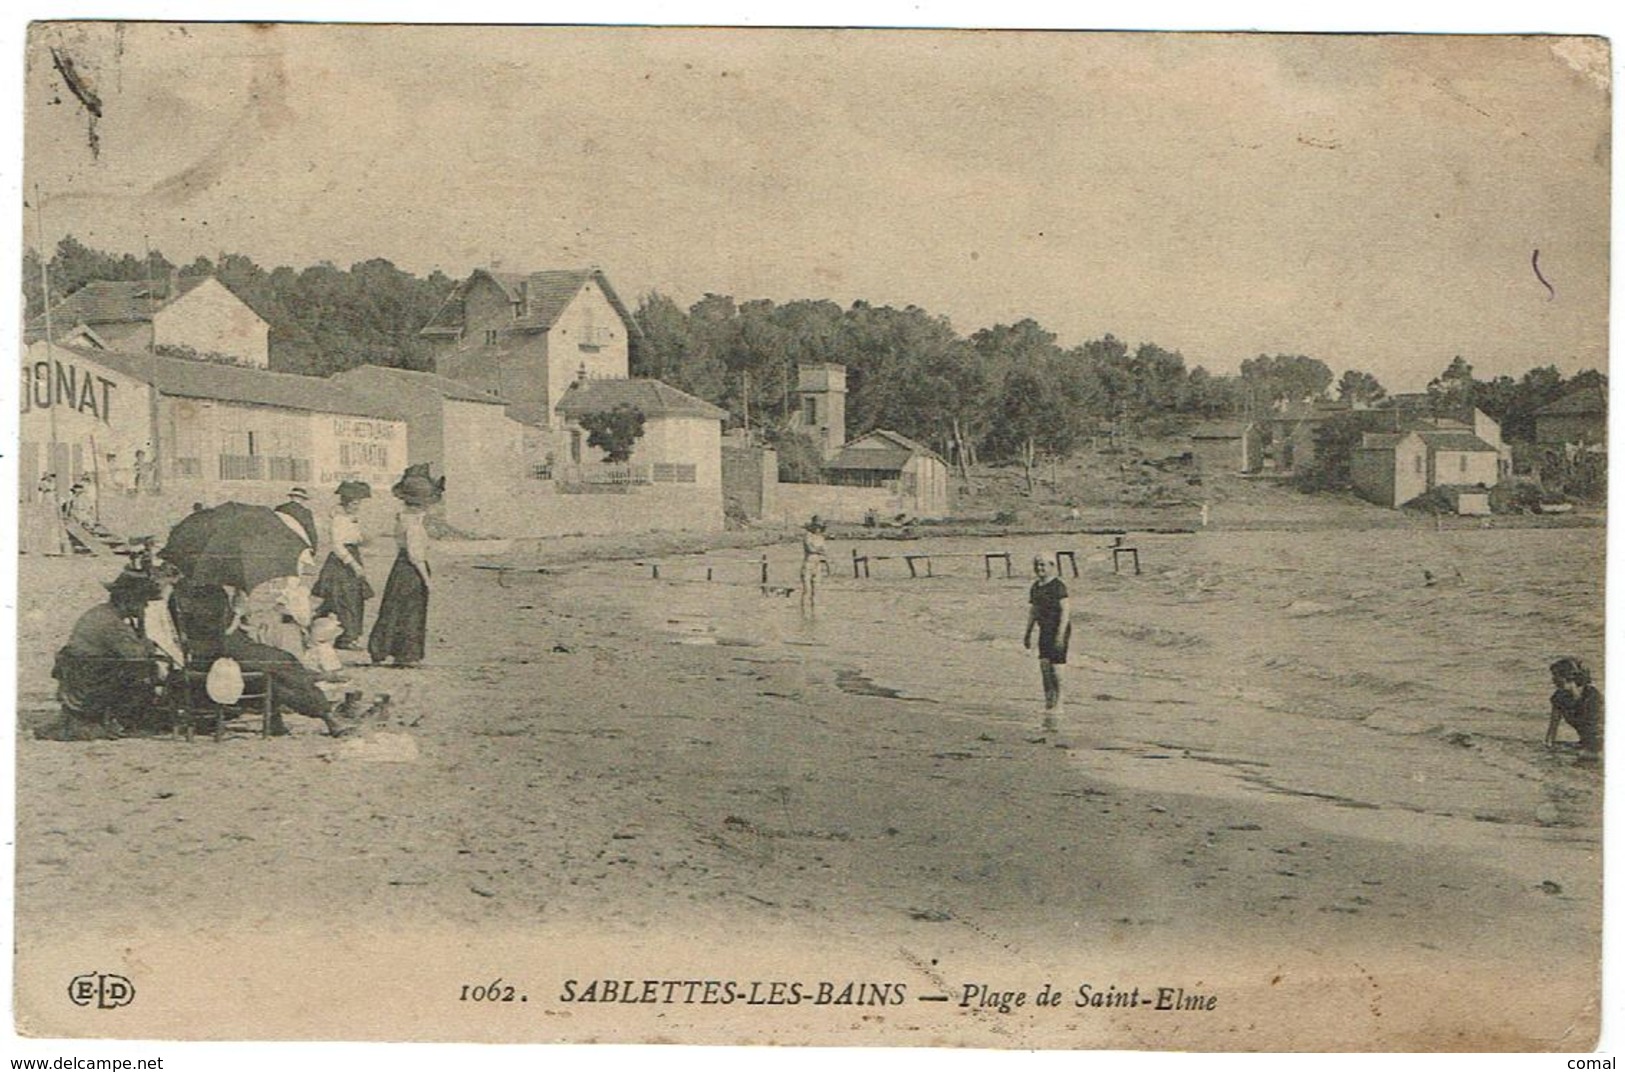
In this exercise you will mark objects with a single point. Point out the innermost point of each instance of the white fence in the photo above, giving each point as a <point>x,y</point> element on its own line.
<point>609,474</point>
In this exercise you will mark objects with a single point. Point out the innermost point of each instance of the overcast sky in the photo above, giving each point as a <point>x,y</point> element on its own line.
<point>1371,201</point>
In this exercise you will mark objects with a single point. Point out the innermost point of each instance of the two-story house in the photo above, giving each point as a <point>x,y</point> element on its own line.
<point>527,336</point>
<point>196,317</point>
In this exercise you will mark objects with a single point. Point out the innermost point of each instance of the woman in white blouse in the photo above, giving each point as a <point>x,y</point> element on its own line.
<point>342,586</point>
<point>403,615</point>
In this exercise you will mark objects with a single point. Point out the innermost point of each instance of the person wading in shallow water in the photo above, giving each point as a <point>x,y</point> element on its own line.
<point>1578,702</point>
<point>813,561</point>
<point>1048,609</point>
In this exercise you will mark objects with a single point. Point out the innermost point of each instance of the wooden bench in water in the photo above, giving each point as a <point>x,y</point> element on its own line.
<point>860,563</point>
<point>502,572</point>
<point>1119,549</point>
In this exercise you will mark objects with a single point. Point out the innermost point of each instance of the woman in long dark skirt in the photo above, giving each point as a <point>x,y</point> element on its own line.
<point>401,630</point>
<point>342,585</point>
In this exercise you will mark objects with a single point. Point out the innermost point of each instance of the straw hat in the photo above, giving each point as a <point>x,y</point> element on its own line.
<point>417,488</point>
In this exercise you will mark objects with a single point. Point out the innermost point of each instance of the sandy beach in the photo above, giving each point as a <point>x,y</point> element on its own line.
<point>1298,774</point>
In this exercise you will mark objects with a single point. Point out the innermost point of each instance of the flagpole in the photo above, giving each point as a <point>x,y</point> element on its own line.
<point>155,461</point>
<point>50,340</point>
<point>59,537</point>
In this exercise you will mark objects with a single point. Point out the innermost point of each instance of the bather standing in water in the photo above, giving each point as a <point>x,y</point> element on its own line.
<point>1048,608</point>
<point>813,561</point>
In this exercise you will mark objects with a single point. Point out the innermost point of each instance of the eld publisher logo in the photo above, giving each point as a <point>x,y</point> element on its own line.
<point>101,990</point>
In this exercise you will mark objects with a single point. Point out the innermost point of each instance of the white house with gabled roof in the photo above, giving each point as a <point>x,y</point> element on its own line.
<point>198,315</point>
<point>527,336</point>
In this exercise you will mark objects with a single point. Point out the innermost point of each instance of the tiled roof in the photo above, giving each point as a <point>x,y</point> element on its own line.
<point>181,378</point>
<point>654,398</point>
<point>1586,400</point>
<point>870,458</point>
<point>1457,441</point>
<point>113,303</point>
<point>529,413</point>
<point>1381,440</point>
<point>549,292</point>
<point>376,376</point>
<point>894,455</point>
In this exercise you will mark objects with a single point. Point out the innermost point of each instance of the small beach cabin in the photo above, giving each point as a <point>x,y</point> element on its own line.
<point>915,474</point>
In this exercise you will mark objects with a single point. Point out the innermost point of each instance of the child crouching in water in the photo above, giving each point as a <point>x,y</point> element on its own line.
<point>1578,702</point>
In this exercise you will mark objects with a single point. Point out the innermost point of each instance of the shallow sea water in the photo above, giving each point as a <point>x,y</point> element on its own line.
<point>1389,681</point>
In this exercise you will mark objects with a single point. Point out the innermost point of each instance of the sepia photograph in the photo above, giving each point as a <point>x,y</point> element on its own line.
<point>866,537</point>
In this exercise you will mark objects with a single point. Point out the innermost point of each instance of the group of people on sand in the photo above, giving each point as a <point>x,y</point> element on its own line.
<point>115,673</point>
<point>400,633</point>
<point>56,525</point>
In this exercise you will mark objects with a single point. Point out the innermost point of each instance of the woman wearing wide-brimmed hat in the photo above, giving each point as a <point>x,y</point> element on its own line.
<point>342,585</point>
<point>106,672</point>
<point>402,627</point>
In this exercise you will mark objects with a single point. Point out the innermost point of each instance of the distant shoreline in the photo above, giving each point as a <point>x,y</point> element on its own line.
<point>570,550</point>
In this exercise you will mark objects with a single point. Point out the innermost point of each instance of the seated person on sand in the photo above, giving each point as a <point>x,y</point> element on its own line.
<point>158,620</point>
<point>212,629</point>
<point>321,654</point>
<point>278,613</point>
<point>107,671</point>
<point>1578,702</point>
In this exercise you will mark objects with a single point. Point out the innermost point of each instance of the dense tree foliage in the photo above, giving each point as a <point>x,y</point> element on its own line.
<point>322,319</point>
<point>1360,388</point>
<point>1007,392</point>
<point>1335,441</point>
<point>1284,378</point>
<point>1512,403</point>
<point>614,431</point>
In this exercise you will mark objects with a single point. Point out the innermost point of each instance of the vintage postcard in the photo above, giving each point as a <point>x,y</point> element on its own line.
<point>1019,540</point>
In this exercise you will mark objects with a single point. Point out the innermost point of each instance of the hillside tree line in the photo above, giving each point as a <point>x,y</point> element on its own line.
<point>1004,393</point>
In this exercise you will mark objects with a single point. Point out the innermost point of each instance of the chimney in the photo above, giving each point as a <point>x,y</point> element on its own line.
<point>174,282</point>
